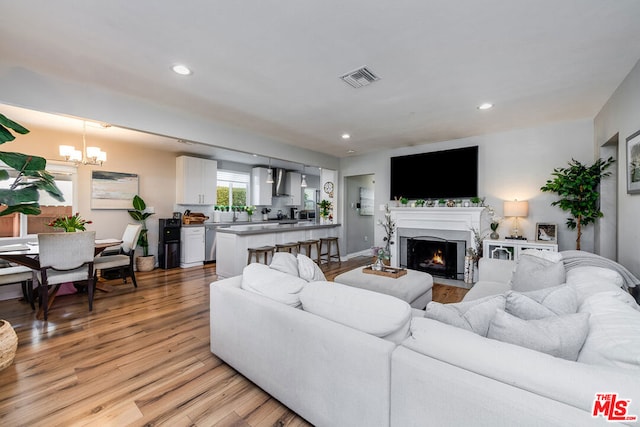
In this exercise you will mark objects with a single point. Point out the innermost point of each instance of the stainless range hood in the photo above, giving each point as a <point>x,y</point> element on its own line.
<point>279,178</point>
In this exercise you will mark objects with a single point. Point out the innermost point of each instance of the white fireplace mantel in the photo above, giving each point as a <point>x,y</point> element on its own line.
<point>437,218</point>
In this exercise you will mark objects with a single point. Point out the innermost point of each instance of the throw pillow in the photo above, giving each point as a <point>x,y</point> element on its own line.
<point>614,335</point>
<point>472,315</point>
<point>550,256</point>
<point>285,262</point>
<point>273,284</point>
<point>309,270</point>
<point>546,302</point>
<point>559,336</point>
<point>534,272</point>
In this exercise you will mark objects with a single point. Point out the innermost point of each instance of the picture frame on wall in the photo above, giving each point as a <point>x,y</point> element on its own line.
<point>633,163</point>
<point>546,232</point>
<point>113,190</point>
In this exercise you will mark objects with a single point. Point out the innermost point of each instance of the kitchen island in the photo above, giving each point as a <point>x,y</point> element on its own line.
<point>233,241</point>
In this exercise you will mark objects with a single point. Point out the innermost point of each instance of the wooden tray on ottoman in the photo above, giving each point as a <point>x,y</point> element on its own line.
<point>391,272</point>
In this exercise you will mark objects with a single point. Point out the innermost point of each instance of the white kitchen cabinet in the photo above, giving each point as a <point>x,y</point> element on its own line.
<point>511,249</point>
<point>293,188</point>
<point>196,181</point>
<point>261,192</point>
<point>192,246</point>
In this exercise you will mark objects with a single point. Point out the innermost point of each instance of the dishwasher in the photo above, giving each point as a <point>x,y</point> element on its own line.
<point>210,242</point>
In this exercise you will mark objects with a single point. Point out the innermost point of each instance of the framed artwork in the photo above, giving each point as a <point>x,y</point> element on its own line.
<point>113,190</point>
<point>633,163</point>
<point>546,232</point>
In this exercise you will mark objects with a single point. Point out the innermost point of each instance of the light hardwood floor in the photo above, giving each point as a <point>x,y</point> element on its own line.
<point>141,358</point>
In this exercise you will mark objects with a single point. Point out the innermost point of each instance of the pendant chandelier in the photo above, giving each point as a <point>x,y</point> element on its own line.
<point>88,155</point>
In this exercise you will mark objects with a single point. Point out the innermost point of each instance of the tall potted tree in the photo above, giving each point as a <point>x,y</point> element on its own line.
<point>577,186</point>
<point>145,262</point>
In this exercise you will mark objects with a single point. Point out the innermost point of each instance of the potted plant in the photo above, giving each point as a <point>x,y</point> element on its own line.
<point>145,262</point>
<point>250,210</point>
<point>475,201</point>
<point>70,224</point>
<point>325,207</point>
<point>420,203</point>
<point>404,201</point>
<point>442,202</point>
<point>577,186</point>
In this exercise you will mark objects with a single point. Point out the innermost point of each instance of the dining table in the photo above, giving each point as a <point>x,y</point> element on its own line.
<point>27,254</point>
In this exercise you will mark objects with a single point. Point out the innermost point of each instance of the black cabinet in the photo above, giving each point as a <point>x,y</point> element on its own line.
<point>169,243</point>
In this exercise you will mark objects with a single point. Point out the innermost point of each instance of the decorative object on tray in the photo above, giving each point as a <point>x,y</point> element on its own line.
<point>70,224</point>
<point>578,188</point>
<point>391,272</point>
<point>380,255</point>
<point>389,226</point>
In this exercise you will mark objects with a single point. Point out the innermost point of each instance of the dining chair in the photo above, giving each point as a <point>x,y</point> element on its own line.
<point>123,261</point>
<point>65,257</point>
<point>12,274</point>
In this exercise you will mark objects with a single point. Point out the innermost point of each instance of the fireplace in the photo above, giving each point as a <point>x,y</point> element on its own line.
<point>436,256</point>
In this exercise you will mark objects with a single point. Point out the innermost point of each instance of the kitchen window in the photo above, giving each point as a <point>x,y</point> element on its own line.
<point>18,225</point>
<point>233,188</point>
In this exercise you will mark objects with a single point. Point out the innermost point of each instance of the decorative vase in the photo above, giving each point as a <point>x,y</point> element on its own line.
<point>494,235</point>
<point>8,344</point>
<point>378,265</point>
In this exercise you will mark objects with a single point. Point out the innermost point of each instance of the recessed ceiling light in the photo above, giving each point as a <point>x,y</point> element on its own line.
<point>346,136</point>
<point>485,106</point>
<point>183,70</point>
<point>351,151</point>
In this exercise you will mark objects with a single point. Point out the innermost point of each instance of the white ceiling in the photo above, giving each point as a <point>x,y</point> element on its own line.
<point>272,66</point>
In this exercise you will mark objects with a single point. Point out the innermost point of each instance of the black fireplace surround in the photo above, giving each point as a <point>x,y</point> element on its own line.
<point>433,255</point>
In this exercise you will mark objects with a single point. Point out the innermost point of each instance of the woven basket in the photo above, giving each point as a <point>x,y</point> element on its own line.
<point>8,344</point>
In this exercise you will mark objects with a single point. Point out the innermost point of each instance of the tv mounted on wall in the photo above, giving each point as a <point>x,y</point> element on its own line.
<point>446,174</point>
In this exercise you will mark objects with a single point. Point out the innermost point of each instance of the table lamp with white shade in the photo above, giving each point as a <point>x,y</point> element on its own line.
<point>516,209</point>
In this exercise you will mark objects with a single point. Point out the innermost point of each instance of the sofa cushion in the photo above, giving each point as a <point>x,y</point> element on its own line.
<point>614,333</point>
<point>554,301</point>
<point>474,315</point>
<point>273,284</point>
<point>590,280</point>
<point>285,262</point>
<point>371,312</point>
<point>536,272</point>
<point>560,336</point>
<point>309,270</point>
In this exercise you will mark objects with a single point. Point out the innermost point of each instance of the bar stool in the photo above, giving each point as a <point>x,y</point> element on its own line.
<point>262,250</point>
<point>307,245</point>
<point>288,247</point>
<point>327,242</point>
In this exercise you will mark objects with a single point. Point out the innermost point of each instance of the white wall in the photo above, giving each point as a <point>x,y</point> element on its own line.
<point>621,115</point>
<point>512,165</point>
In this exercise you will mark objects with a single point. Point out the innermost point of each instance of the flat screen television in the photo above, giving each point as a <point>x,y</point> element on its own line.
<point>446,174</point>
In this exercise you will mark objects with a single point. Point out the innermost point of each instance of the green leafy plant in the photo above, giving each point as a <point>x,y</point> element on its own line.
<point>138,213</point>
<point>70,223</point>
<point>404,201</point>
<point>577,186</point>
<point>420,202</point>
<point>23,194</point>
<point>325,206</point>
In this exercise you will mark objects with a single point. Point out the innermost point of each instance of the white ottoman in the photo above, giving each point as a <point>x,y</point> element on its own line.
<point>415,287</point>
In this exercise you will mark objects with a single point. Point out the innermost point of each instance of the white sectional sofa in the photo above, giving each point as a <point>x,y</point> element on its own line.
<point>343,356</point>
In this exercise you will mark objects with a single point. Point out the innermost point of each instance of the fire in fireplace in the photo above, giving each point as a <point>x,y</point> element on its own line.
<point>434,255</point>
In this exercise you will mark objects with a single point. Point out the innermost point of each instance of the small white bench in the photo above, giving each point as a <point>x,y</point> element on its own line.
<point>415,287</point>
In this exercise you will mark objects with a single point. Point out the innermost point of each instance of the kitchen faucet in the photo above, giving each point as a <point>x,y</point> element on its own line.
<point>235,216</point>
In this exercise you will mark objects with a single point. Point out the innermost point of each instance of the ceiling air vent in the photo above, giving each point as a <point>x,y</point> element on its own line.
<point>360,77</point>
